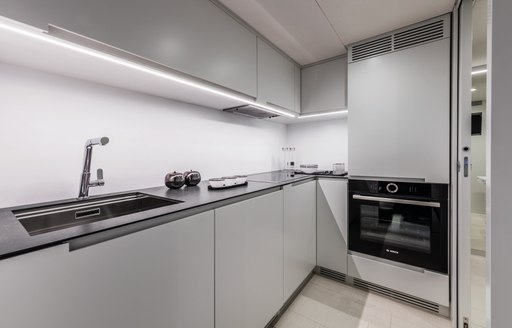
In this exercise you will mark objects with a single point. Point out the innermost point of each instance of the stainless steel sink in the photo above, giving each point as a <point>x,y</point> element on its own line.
<point>39,220</point>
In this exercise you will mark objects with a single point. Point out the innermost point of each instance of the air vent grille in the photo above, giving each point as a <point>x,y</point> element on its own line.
<point>372,48</point>
<point>418,302</point>
<point>332,274</point>
<point>404,38</point>
<point>419,35</point>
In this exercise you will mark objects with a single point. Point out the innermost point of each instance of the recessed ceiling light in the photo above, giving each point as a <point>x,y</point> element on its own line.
<point>480,71</point>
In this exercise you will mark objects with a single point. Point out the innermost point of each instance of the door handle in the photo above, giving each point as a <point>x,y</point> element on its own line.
<point>397,201</point>
<point>466,166</point>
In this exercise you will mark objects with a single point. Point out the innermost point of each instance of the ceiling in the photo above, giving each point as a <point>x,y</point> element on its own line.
<point>313,30</point>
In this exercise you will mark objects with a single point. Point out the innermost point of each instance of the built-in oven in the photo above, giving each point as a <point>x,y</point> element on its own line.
<point>400,221</point>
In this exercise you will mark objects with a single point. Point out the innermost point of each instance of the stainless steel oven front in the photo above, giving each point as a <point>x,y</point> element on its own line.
<point>400,221</point>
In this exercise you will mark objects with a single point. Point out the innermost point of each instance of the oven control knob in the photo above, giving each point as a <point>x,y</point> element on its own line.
<point>392,188</point>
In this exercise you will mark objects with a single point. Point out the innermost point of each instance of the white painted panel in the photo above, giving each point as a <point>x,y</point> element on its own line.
<point>293,25</point>
<point>499,162</point>
<point>249,262</point>
<point>399,119</point>
<point>299,234</point>
<point>324,86</point>
<point>50,118</point>
<point>332,224</point>
<point>192,36</point>
<point>156,278</point>
<point>322,143</point>
<point>276,77</point>
<point>427,285</point>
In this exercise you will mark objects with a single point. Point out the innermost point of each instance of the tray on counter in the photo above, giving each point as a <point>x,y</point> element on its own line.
<point>228,187</point>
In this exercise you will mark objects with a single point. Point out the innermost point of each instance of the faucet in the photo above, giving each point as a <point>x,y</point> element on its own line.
<point>85,182</point>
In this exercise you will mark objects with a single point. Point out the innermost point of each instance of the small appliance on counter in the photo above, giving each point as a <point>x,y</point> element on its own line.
<point>227,182</point>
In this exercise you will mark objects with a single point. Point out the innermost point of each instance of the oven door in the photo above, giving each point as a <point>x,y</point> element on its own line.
<point>409,231</point>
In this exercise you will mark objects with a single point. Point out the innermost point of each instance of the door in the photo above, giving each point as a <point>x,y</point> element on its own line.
<point>463,153</point>
<point>249,262</point>
<point>299,234</point>
<point>403,227</point>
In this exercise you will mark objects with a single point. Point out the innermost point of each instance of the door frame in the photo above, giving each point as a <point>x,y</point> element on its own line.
<point>461,163</point>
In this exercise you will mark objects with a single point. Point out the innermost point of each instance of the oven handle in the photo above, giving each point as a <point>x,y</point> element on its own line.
<point>397,201</point>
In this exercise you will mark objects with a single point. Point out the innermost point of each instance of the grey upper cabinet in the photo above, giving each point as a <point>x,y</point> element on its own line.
<point>297,90</point>
<point>276,78</point>
<point>249,262</point>
<point>332,224</point>
<point>193,36</point>
<point>399,121</point>
<point>299,234</point>
<point>324,86</point>
<point>155,278</point>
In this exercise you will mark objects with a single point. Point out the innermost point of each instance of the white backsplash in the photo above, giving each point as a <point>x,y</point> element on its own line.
<point>322,142</point>
<point>46,119</point>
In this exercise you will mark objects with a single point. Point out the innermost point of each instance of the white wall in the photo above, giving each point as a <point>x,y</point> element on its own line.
<point>46,119</point>
<point>499,164</point>
<point>322,143</point>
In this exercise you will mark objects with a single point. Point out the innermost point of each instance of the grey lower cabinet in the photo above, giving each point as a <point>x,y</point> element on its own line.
<point>192,36</point>
<point>332,224</point>
<point>276,78</point>
<point>324,86</point>
<point>157,278</point>
<point>249,262</point>
<point>299,234</point>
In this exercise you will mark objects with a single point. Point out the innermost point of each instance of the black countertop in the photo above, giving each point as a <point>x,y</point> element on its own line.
<point>14,239</point>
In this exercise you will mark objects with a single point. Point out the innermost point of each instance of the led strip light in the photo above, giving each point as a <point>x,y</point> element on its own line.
<point>67,45</point>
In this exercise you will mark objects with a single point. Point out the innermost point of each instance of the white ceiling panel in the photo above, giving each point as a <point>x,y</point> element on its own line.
<point>355,20</point>
<point>313,30</point>
<point>297,27</point>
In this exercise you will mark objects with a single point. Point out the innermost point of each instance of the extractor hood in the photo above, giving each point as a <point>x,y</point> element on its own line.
<point>251,111</point>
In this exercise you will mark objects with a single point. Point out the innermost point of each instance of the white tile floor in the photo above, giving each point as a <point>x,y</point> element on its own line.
<point>325,303</point>
<point>478,233</point>
<point>478,291</point>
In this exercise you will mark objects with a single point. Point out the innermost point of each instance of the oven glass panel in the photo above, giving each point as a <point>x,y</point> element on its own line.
<point>397,225</point>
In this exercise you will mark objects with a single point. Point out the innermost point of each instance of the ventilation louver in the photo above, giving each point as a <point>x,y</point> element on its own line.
<point>404,38</point>
<point>418,302</point>
<point>372,48</point>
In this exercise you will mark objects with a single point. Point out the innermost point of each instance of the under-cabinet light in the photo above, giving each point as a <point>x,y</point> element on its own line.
<point>473,89</point>
<point>480,71</point>
<point>49,39</point>
<point>323,114</point>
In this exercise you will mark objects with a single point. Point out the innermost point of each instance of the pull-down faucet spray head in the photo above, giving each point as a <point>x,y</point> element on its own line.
<point>85,181</point>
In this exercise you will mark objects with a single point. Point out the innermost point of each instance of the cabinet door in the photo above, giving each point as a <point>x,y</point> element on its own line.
<point>324,86</point>
<point>157,278</point>
<point>276,77</point>
<point>249,262</point>
<point>332,232</point>
<point>297,76</point>
<point>33,289</point>
<point>299,234</point>
<point>399,123</point>
<point>192,36</point>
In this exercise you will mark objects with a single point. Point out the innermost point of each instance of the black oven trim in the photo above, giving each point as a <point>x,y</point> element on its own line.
<point>431,195</point>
